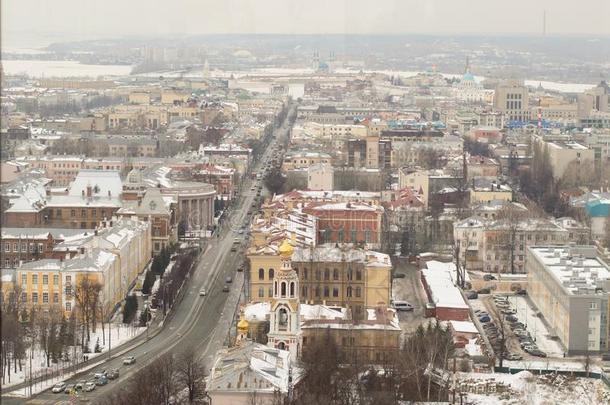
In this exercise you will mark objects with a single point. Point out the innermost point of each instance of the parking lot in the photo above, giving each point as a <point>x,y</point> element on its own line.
<point>526,335</point>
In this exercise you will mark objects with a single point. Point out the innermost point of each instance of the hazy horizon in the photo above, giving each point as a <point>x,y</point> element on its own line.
<point>75,20</point>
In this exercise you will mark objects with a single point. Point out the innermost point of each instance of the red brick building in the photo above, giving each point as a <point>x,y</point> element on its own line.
<point>348,222</point>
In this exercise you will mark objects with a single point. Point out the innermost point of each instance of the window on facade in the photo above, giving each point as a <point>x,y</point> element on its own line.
<point>317,291</point>
<point>83,213</point>
<point>55,298</point>
<point>45,279</point>
<point>261,292</point>
<point>304,291</point>
<point>34,297</point>
<point>326,274</point>
<point>358,274</point>
<point>271,274</point>
<point>24,297</point>
<point>326,291</point>
<point>15,247</point>
<point>7,247</point>
<point>34,278</point>
<point>68,306</point>
<point>68,279</point>
<point>7,262</point>
<point>68,291</point>
<point>45,298</point>
<point>335,274</point>
<point>32,248</point>
<point>340,236</point>
<point>335,292</point>
<point>72,213</point>
<point>261,274</point>
<point>40,248</point>
<point>24,247</point>
<point>358,292</point>
<point>353,238</point>
<point>348,291</point>
<point>350,274</point>
<point>24,279</point>
<point>317,274</point>
<point>367,236</point>
<point>270,292</point>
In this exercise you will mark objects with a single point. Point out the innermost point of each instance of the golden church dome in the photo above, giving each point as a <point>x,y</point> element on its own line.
<point>286,249</point>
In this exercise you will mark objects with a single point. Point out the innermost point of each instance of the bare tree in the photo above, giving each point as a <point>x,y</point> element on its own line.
<point>86,295</point>
<point>47,326</point>
<point>190,373</point>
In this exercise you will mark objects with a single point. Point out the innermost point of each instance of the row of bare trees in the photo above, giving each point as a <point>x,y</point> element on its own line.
<point>170,379</point>
<point>45,326</point>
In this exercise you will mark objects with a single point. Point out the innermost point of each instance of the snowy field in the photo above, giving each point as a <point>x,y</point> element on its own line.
<point>118,335</point>
<point>526,388</point>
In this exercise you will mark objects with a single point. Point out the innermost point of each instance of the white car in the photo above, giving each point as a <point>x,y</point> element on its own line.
<point>402,306</point>
<point>202,292</point>
<point>129,360</point>
<point>89,386</point>
<point>59,387</point>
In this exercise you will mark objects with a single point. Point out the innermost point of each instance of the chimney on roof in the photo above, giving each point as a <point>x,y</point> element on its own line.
<point>89,190</point>
<point>109,194</point>
<point>83,193</point>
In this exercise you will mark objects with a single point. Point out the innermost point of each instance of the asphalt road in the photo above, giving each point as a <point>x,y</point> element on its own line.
<point>200,321</point>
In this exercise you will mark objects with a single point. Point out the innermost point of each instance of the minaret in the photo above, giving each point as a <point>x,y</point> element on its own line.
<point>285,323</point>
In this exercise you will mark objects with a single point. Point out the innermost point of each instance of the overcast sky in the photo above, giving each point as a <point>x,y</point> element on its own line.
<point>102,18</point>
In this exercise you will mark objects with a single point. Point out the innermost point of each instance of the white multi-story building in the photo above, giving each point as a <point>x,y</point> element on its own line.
<point>570,286</point>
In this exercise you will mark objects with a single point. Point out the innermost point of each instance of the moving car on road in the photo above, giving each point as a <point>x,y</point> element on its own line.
<point>129,360</point>
<point>89,386</point>
<point>202,292</point>
<point>225,288</point>
<point>59,387</point>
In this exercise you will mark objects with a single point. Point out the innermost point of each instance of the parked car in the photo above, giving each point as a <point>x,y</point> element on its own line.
<point>89,386</point>
<point>129,360</point>
<point>59,387</point>
<point>399,275</point>
<point>521,292</point>
<point>240,268</point>
<point>513,356</point>
<point>113,374</point>
<point>484,291</point>
<point>537,353</point>
<point>402,306</point>
<point>69,389</point>
<point>228,280</point>
<point>79,386</point>
<point>488,277</point>
<point>472,295</point>
<point>511,318</point>
<point>225,288</point>
<point>202,292</point>
<point>485,319</point>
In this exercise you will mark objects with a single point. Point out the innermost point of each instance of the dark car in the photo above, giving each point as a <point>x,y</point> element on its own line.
<point>520,292</point>
<point>484,291</point>
<point>399,275</point>
<point>537,353</point>
<point>488,277</point>
<point>485,318</point>
<point>225,288</point>
<point>472,295</point>
<point>511,318</point>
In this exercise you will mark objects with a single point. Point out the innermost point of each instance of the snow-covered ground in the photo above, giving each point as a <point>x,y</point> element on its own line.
<point>116,335</point>
<point>524,387</point>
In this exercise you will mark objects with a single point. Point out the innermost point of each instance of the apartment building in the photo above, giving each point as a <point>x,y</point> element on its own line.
<point>113,255</point>
<point>512,99</point>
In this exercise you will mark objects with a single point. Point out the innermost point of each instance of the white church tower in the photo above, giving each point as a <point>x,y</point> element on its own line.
<point>285,324</point>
